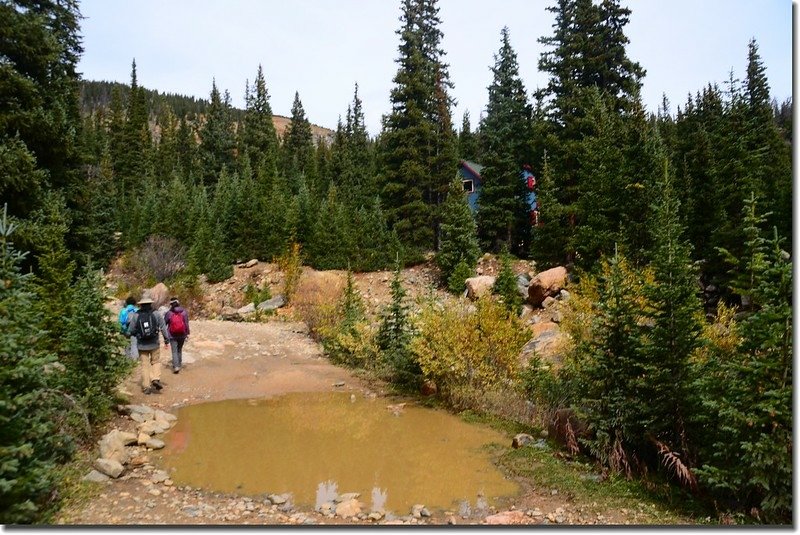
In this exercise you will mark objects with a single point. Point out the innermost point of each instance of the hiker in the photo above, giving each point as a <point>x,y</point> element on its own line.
<point>130,306</point>
<point>144,327</point>
<point>177,320</point>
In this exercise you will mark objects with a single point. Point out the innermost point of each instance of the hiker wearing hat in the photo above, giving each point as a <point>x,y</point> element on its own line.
<point>177,320</point>
<point>144,327</point>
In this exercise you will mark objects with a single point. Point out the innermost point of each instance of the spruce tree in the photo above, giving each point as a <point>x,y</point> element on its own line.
<point>667,401</point>
<point>217,142</point>
<point>467,140</point>
<point>505,133</point>
<point>612,370</point>
<point>396,331</point>
<point>417,149</point>
<point>30,440</point>
<point>505,286</point>
<point>298,148</point>
<point>748,459</point>
<point>459,241</point>
<point>259,138</point>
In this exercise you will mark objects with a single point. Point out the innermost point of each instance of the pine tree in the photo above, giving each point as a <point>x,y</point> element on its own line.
<point>467,140</point>
<point>94,359</point>
<point>459,241</point>
<point>612,369</point>
<point>748,459</point>
<point>396,331</point>
<point>219,267</point>
<point>259,138</point>
<point>666,398</point>
<point>417,141</point>
<point>217,142</point>
<point>30,440</point>
<point>298,148</point>
<point>505,286</point>
<point>135,135</point>
<point>505,133</point>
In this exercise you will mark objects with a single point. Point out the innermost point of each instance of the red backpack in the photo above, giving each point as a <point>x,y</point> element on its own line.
<point>177,327</point>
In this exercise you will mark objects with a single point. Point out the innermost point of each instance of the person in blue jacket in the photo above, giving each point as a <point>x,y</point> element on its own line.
<point>130,306</point>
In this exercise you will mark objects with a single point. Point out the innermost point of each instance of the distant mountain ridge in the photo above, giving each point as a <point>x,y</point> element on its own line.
<point>96,95</point>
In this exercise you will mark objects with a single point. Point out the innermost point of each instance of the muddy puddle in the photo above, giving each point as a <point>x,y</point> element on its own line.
<point>314,445</point>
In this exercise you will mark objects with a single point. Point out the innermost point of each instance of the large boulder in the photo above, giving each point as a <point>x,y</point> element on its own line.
<point>109,467</point>
<point>112,446</point>
<point>159,294</point>
<point>247,309</point>
<point>546,284</point>
<point>479,286</point>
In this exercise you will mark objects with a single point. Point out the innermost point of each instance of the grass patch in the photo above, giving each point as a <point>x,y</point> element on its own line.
<point>73,493</point>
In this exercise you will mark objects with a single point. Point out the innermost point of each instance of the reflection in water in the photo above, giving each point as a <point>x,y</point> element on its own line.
<point>326,492</point>
<point>378,499</point>
<point>293,443</point>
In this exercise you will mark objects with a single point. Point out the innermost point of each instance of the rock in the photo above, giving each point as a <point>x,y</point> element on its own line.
<point>505,518</point>
<point>165,416</point>
<point>479,286</point>
<point>142,439</point>
<point>159,476</point>
<point>159,294</point>
<point>338,384</point>
<point>428,388</point>
<point>96,477</point>
<point>278,499</point>
<point>112,446</point>
<point>346,496</point>
<point>154,443</point>
<point>150,428</point>
<point>556,316</point>
<point>109,467</point>
<point>546,284</point>
<point>139,409</point>
<point>520,440</point>
<point>348,508</point>
<point>565,295</point>
<point>451,520</point>
<point>418,511</point>
<point>247,309</point>
<point>548,302</point>
<point>272,304</point>
<point>52,367</point>
<point>229,313</point>
<point>141,418</point>
<point>375,516</point>
<point>522,284</point>
<point>251,263</point>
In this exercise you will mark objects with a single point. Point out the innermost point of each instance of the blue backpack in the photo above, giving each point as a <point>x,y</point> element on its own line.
<point>123,318</point>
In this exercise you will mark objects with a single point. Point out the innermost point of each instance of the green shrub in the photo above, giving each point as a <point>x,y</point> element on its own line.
<point>464,345</point>
<point>254,294</point>
<point>456,283</point>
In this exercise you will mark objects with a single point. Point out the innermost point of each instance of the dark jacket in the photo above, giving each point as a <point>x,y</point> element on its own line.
<point>177,310</point>
<point>133,329</point>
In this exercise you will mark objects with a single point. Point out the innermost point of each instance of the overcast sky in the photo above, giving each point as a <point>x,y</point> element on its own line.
<point>321,48</point>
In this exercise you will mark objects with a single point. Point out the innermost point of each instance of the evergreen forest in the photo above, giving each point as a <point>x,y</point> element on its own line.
<point>675,226</point>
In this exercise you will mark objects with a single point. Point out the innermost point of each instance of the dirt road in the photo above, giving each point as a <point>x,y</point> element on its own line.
<point>228,360</point>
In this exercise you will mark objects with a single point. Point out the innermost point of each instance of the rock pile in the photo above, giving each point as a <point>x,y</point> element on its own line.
<point>119,449</point>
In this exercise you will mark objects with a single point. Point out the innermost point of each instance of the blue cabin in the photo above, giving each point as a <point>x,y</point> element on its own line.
<point>470,173</point>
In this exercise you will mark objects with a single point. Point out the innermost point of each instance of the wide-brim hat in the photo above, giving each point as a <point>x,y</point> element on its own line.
<point>145,301</point>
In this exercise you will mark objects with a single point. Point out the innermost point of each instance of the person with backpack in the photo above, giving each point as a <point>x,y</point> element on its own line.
<point>144,327</point>
<point>177,320</point>
<point>130,306</point>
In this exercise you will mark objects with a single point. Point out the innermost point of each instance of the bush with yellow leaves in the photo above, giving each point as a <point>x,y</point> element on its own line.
<point>472,346</point>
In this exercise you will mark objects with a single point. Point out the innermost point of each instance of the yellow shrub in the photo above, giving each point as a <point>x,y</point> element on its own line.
<point>465,345</point>
<point>291,265</point>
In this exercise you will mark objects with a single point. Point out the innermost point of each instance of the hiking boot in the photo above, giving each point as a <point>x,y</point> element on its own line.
<point>148,391</point>
<point>157,384</point>
<point>176,370</point>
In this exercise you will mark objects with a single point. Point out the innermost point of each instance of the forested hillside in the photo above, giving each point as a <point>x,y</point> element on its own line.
<point>675,226</point>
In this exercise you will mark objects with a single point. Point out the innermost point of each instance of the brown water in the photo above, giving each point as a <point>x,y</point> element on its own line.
<point>311,445</point>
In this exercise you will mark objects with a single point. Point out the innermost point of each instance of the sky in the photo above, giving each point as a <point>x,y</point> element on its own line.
<point>322,48</point>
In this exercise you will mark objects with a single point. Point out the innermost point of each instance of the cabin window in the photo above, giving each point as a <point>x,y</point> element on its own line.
<point>469,187</point>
